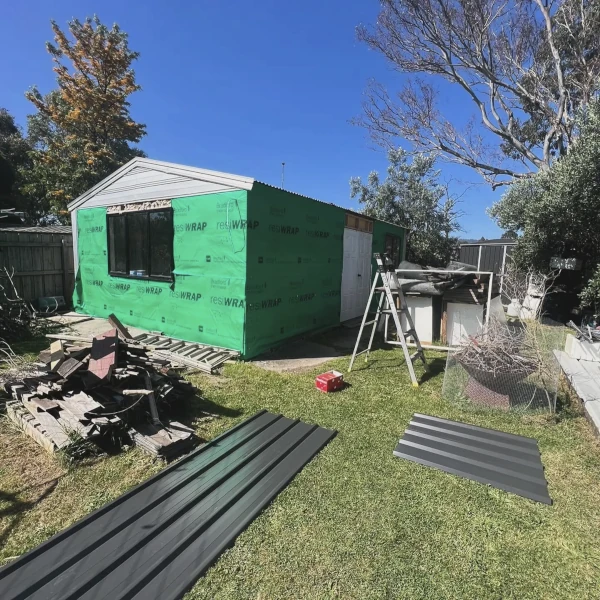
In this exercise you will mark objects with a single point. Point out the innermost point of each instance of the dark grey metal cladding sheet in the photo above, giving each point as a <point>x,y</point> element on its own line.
<point>156,540</point>
<point>503,460</point>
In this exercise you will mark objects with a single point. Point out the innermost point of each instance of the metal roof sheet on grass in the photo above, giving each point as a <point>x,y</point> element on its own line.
<point>156,540</point>
<point>503,460</point>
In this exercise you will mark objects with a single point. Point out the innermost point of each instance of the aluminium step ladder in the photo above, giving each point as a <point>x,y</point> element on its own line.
<point>386,307</point>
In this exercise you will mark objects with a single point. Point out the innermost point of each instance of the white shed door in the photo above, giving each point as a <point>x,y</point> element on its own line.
<point>356,273</point>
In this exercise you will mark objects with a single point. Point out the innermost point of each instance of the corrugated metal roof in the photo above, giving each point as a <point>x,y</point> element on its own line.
<point>502,460</point>
<point>62,229</point>
<point>156,540</point>
<point>348,210</point>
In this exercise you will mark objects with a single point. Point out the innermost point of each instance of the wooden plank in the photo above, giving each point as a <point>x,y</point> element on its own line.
<point>121,329</point>
<point>80,404</point>
<point>52,428</point>
<point>44,404</point>
<point>69,338</point>
<point>29,425</point>
<point>68,367</point>
<point>57,355</point>
<point>69,423</point>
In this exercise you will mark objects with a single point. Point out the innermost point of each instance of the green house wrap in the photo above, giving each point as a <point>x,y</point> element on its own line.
<point>251,267</point>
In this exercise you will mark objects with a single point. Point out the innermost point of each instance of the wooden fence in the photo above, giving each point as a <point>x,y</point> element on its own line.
<point>42,260</point>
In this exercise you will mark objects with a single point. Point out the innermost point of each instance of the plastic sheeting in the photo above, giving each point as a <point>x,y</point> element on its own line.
<point>205,302</point>
<point>295,253</point>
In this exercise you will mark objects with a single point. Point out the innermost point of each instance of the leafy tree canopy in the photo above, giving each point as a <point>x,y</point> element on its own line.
<point>14,155</point>
<point>411,196</point>
<point>82,130</point>
<point>557,209</point>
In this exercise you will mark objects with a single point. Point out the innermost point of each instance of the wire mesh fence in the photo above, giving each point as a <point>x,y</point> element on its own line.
<point>508,367</point>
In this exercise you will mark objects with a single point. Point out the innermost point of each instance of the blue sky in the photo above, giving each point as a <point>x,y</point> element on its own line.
<point>241,86</point>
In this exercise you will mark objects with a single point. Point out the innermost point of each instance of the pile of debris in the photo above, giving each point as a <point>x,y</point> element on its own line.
<point>460,284</point>
<point>585,332</point>
<point>109,389</point>
<point>509,366</point>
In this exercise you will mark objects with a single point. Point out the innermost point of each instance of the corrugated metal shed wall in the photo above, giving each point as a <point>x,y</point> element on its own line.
<point>491,258</point>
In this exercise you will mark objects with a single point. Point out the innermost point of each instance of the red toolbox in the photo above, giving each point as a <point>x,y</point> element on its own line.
<point>330,381</point>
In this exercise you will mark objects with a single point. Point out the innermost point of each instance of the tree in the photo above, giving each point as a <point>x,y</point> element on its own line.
<point>83,130</point>
<point>527,66</point>
<point>509,235</point>
<point>556,210</point>
<point>411,197</point>
<point>14,154</point>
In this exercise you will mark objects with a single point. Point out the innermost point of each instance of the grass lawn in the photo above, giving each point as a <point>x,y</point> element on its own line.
<point>356,522</point>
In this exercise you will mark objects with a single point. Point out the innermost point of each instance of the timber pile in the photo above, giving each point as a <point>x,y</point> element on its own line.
<point>473,289</point>
<point>106,389</point>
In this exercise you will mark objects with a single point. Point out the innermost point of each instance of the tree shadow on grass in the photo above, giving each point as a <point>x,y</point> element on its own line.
<point>435,365</point>
<point>16,507</point>
<point>196,407</point>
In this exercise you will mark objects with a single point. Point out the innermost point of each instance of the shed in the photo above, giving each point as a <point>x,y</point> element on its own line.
<point>40,260</point>
<point>221,259</point>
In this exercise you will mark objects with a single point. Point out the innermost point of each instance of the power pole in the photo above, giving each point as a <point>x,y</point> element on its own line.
<point>282,174</point>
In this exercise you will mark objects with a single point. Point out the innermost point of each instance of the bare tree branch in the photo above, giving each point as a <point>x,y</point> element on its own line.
<point>526,65</point>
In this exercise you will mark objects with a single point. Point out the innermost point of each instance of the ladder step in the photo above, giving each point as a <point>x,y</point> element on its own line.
<point>415,355</point>
<point>410,333</point>
<point>391,311</point>
<point>361,352</point>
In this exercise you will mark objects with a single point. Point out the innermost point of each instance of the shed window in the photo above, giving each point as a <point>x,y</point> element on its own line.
<point>140,244</point>
<point>392,247</point>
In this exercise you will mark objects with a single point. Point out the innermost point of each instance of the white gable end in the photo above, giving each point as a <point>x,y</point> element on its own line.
<point>143,179</point>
